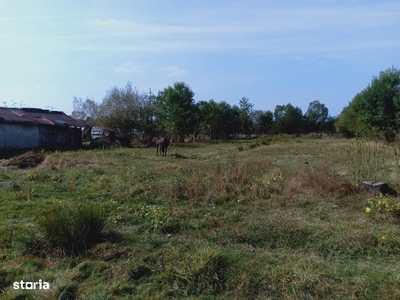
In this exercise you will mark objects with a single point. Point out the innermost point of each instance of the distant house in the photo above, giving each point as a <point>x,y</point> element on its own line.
<point>34,128</point>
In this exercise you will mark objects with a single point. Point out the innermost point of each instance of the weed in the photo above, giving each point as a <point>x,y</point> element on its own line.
<point>157,217</point>
<point>383,205</point>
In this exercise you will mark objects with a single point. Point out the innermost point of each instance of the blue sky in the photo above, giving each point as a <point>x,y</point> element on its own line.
<point>273,52</point>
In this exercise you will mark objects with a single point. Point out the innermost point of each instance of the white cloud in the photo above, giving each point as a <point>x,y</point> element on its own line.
<point>172,71</point>
<point>128,68</point>
<point>262,28</point>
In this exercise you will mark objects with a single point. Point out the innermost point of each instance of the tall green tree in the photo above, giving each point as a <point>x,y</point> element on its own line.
<point>316,116</point>
<point>376,108</point>
<point>176,110</point>
<point>265,122</point>
<point>245,110</point>
<point>288,119</point>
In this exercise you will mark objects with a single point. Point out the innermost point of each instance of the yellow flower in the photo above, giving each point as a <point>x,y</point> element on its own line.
<point>384,238</point>
<point>367,210</point>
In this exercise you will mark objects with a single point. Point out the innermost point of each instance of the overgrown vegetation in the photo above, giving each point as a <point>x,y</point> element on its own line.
<point>282,218</point>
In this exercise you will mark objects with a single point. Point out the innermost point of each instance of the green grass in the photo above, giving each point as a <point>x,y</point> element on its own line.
<point>270,218</point>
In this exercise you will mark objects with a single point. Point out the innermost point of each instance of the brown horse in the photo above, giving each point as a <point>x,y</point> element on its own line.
<point>162,143</point>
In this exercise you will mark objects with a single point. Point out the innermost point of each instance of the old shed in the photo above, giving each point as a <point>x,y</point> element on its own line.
<point>34,128</point>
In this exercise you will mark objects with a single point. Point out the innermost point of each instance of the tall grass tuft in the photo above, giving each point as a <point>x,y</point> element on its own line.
<point>194,272</point>
<point>73,229</point>
<point>367,160</point>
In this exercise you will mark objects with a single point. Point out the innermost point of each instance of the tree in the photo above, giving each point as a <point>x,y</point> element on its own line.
<point>288,119</point>
<point>376,108</point>
<point>245,110</point>
<point>176,110</point>
<point>316,116</point>
<point>86,111</point>
<point>127,112</point>
<point>265,122</point>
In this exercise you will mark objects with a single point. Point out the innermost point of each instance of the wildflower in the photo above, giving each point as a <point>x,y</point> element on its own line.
<point>367,210</point>
<point>384,238</point>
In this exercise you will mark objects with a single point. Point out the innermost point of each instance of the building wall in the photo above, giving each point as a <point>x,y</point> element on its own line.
<point>18,136</point>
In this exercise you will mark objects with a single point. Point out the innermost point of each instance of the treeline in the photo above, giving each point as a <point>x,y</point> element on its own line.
<point>130,113</point>
<point>173,112</point>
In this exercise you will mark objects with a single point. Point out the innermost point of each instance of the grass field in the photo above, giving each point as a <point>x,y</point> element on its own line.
<point>273,218</point>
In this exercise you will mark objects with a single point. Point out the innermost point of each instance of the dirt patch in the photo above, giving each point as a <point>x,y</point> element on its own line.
<point>107,252</point>
<point>29,159</point>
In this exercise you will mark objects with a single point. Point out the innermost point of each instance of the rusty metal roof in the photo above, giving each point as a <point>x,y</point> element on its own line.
<point>36,116</point>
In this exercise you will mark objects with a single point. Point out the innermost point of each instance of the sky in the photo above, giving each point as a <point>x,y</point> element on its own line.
<point>272,52</point>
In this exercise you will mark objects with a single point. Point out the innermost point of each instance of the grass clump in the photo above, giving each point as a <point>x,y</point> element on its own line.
<point>367,160</point>
<point>73,228</point>
<point>197,271</point>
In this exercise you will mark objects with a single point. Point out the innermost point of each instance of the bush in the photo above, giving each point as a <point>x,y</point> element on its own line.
<point>73,229</point>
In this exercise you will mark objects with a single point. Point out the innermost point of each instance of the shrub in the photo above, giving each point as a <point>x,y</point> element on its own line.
<point>73,229</point>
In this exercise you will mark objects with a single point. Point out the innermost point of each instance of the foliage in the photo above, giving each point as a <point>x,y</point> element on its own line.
<point>263,121</point>
<point>316,116</point>
<point>245,111</point>
<point>175,110</point>
<point>219,120</point>
<point>87,111</point>
<point>288,119</point>
<point>127,111</point>
<point>375,109</point>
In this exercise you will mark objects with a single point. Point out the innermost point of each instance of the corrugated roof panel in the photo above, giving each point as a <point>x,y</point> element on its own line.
<point>36,116</point>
